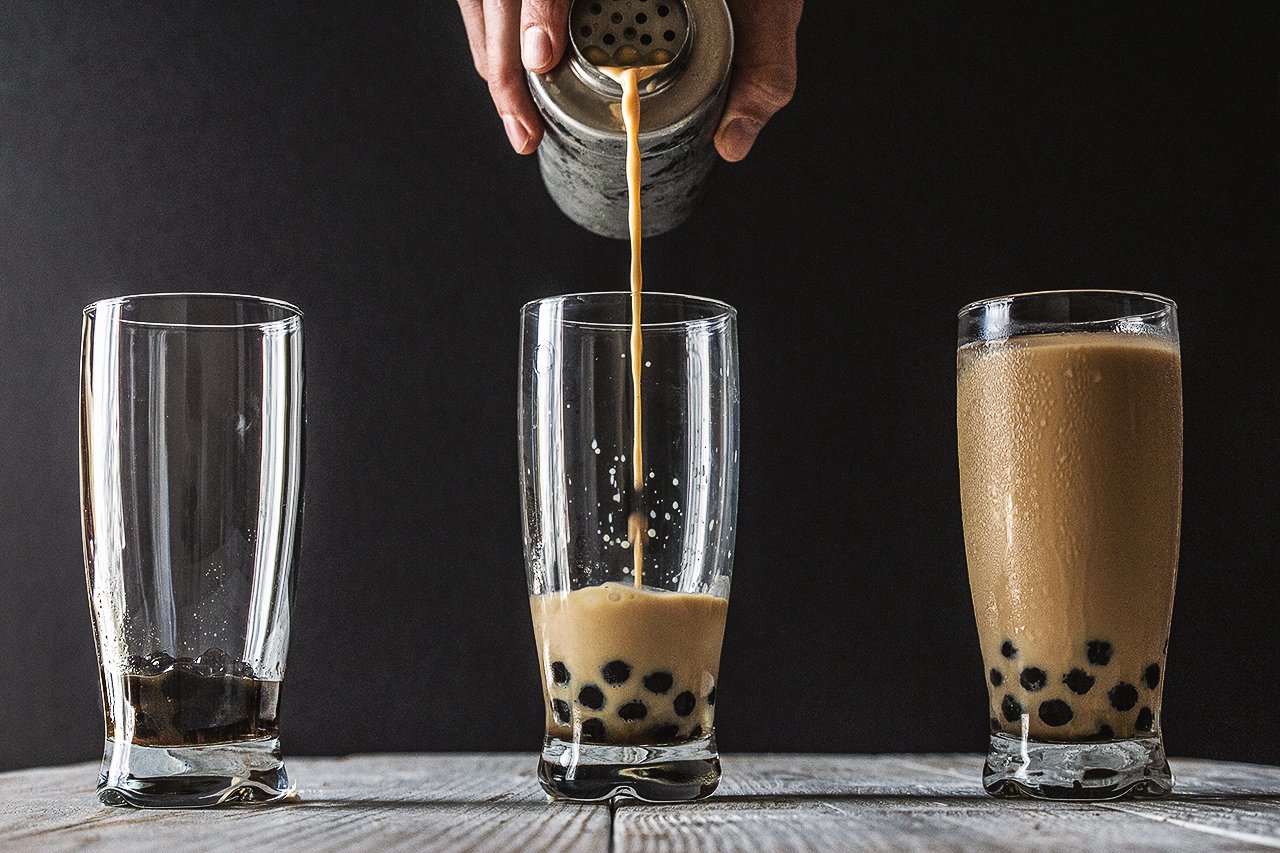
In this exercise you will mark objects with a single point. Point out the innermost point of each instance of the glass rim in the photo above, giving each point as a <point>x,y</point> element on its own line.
<point>723,310</point>
<point>294,313</point>
<point>1165,302</point>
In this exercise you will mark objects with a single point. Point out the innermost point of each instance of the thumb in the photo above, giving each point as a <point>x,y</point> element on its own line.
<point>544,33</point>
<point>764,79</point>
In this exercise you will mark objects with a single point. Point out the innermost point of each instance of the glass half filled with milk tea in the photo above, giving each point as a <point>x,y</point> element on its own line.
<point>1069,415</point>
<point>629,472</point>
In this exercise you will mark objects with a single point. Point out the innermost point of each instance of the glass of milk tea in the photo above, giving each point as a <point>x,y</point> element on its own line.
<point>1069,416</point>
<point>629,476</point>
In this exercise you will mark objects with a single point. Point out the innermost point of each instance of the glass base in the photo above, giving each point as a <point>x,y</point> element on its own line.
<point>182,777</point>
<point>667,773</point>
<point>1104,770</point>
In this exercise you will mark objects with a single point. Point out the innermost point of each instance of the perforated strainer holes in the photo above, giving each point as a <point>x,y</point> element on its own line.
<point>629,32</point>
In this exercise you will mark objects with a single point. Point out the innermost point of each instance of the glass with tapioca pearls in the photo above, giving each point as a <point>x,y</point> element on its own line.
<point>1069,415</point>
<point>629,565</point>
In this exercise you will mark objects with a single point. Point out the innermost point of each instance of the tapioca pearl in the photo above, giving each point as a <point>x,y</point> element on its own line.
<point>995,725</point>
<point>559,673</point>
<point>1078,681</point>
<point>658,682</point>
<point>615,672</point>
<point>1008,649</point>
<point>711,697</point>
<point>1145,720</point>
<point>591,697</point>
<point>1011,709</point>
<point>560,709</point>
<point>1099,652</point>
<point>592,729</point>
<point>667,731</point>
<point>1055,712</point>
<point>996,678</point>
<point>1151,676</point>
<point>1032,679</point>
<point>1104,732</point>
<point>697,731</point>
<point>684,703</point>
<point>1123,696</point>
<point>633,711</point>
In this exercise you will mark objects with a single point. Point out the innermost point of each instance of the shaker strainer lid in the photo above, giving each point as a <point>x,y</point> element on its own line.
<point>627,33</point>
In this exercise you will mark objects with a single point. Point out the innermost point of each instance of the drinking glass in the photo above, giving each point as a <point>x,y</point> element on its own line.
<point>629,565</point>
<point>1069,419</point>
<point>191,426</point>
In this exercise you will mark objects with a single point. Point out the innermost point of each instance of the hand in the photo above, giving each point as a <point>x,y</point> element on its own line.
<point>508,36</point>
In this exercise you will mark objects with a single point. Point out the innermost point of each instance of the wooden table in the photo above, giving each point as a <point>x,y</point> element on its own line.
<point>766,802</point>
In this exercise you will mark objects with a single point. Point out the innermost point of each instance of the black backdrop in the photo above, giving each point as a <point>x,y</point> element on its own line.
<point>345,157</point>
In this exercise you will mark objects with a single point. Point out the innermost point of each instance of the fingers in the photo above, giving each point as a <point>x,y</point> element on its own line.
<point>764,72</point>
<point>505,75</point>
<point>473,17</point>
<point>544,25</point>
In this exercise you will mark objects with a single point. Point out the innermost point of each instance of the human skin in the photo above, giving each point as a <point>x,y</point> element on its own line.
<point>508,37</point>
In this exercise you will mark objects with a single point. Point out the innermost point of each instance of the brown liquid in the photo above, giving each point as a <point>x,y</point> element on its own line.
<point>629,77</point>
<point>623,666</point>
<point>1071,484</point>
<point>184,708</point>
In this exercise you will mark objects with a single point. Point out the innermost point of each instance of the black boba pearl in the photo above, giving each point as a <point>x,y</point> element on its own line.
<point>1104,732</point>
<point>560,709</point>
<point>684,703</point>
<point>591,697</point>
<point>658,682</point>
<point>995,725</point>
<point>632,711</point>
<point>1012,709</point>
<point>697,731</point>
<point>138,664</point>
<point>711,697</point>
<point>559,673</point>
<point>1055,712</point>
<point>1033,679</point>
<point>592,729</point>
<point>1078,681</point>
<point>1008,649</point>
<point>1145,720</point>
<point>1099,652</point>
<point>1151,676</point>
<point>242,670</point>
<point>216,661</point>
<point>996,678</point>
<point>666,732</point>
<point>1123,696</point>
<point>615,672</point>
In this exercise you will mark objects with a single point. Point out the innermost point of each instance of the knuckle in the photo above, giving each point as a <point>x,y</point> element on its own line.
<point>772,89</point>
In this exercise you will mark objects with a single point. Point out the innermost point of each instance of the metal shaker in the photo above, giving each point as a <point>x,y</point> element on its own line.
<point>583,153</point>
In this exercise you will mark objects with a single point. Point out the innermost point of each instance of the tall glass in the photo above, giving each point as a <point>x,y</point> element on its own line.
<point>1069,417</point>
<point>191,486</point>
<point>629,586</point>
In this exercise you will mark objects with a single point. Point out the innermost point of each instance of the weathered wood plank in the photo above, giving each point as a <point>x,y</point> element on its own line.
<point>805,802</point>
<point>384,802</point>
<point>773,802</point>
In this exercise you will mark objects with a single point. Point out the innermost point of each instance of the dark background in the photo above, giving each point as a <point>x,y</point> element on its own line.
<point>346,157</point>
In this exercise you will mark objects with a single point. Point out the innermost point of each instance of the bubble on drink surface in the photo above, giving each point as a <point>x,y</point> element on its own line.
<point>675,481</point>
<point>652,533</point>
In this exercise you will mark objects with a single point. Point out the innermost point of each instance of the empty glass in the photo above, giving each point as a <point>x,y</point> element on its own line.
<point>629,560</point>
<point>191,427</point>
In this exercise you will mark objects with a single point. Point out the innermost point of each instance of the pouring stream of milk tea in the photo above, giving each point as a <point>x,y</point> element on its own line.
<point>629,79</point>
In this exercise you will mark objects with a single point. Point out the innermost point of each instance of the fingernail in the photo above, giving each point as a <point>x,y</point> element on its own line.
<point>537,48</point>
<point>739,135</point>
<point>515,132</point>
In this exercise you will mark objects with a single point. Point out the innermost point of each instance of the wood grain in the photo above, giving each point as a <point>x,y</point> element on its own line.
<point>766,803</point>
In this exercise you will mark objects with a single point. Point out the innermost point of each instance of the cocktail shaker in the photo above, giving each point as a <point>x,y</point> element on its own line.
<point>583,153</point>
